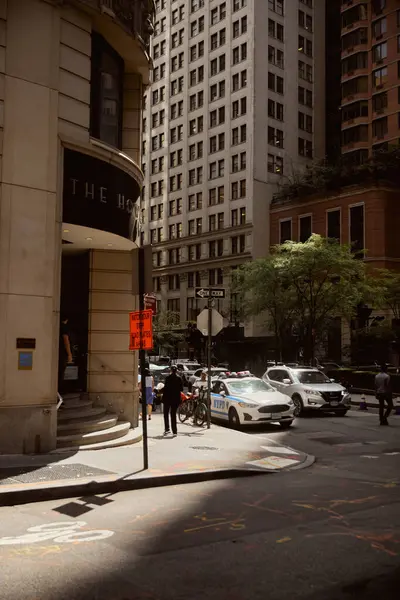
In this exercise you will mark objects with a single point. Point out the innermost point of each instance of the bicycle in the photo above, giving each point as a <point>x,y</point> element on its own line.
<point>193,407</point>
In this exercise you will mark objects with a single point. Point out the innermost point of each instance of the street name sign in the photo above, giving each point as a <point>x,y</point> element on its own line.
<point>210,292</point>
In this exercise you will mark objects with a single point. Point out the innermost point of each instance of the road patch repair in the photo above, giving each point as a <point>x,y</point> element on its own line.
<point>197,454</point>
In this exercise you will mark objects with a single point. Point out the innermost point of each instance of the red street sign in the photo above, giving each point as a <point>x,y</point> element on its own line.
<point>141,330</point>
<point>150,303</point>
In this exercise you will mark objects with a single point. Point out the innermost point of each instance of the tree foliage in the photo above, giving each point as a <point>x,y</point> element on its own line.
<point>167,331</point>
<point>391,291</point>
<point>322,177</point>
<point>306,285</point>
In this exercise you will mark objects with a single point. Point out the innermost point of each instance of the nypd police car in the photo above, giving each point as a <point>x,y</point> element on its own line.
<point>249,400</point>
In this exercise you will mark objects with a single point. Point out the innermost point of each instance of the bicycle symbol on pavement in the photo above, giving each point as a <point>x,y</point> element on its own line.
<point>64,532</point>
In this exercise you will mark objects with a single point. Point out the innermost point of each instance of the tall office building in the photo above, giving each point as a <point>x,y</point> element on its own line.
<point>236,104</point>
<point>370,76</point>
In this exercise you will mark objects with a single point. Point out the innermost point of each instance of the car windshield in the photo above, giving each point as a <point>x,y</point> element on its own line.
<point>312,377</point>
<point>250,386</point>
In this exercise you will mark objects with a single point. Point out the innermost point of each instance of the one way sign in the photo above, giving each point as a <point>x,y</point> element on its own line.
<point>210,293</point>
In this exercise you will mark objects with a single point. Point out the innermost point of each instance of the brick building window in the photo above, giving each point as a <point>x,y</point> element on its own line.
<point>305,228</point>
<point>285,230</point>
<point>356,216</point>
<point>333,224</point>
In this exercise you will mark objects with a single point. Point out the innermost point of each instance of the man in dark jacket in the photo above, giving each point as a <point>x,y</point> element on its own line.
<point>171,399</point>
<point>384,394</point>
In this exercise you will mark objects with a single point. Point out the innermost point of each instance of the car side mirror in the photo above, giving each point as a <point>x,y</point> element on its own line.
<point>332,380</point>
<point>286,381</point>
<point>222,393</point>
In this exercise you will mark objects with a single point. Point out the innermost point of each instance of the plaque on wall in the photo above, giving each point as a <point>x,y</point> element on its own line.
<point>99,195</point>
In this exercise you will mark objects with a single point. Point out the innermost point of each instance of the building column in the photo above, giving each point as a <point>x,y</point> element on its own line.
<point>30,229</point>
<point>112,367</point>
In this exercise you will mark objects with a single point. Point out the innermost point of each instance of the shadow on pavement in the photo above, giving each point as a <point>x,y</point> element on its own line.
<point>300,536</point>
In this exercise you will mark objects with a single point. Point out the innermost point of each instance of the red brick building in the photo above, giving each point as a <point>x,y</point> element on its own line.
<point>370,45</point>
<point>367,217</point>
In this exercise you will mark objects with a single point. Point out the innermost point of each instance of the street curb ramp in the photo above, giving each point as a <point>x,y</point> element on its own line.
<point>93,488</point>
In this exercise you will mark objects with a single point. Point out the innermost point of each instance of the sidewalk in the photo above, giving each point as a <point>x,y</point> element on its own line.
<point>197,454</point>
<point>371,401</point>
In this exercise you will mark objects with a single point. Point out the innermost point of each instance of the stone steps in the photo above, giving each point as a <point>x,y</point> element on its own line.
<point>72,404</point>
<point>132,437</point>
<point>80,413</point>
<point>115,432</point>
<point>92,424</point>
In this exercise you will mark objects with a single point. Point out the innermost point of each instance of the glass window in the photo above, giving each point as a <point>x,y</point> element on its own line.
<point>357,229</point>
<point>305,226</point>
<point>333,224</point>
<point>106,92</point>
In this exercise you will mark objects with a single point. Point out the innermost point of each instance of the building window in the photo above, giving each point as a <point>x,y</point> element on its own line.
<point>238,244</point>
<point>379,77</point>
<point>275,164</point>
<point>379,28</point>
<point>305,148</point>
<point>174,304</point>
<point>106,92</point>
<point>285,231</point>
<point>333,224</point>
<point>305,227</point>
<point>380,127</point>
<point>356,215</point>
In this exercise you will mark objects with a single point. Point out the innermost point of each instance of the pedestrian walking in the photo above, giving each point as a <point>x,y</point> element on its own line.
<point>171,399</point>
<point>149,381</point>
<point>383,391</point>
<point>64,352</point>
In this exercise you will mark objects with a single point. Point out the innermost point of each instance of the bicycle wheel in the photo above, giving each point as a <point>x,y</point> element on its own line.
<point>183,412</point>
<point>200,414</point>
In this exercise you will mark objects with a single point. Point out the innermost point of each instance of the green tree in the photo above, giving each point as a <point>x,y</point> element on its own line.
<point>167,331</point>
<point>263,289</point>
<point>391,291</point>
<point>306,284</point>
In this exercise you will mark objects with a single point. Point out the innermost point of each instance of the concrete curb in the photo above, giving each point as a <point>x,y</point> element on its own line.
<point>92,488</point>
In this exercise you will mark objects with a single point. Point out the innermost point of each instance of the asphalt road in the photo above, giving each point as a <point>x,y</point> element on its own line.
<point>329,532</point>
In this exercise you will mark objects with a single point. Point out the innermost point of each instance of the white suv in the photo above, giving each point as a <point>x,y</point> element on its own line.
<point>309,388</point>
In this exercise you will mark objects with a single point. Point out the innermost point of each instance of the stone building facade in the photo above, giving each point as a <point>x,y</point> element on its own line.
<point>72,76</point>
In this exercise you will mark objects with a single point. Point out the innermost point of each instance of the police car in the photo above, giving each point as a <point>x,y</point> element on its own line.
<point>249,400</point>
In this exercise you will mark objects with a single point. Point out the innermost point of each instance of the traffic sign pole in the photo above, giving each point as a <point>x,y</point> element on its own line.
<point>210,311</point>
<point>142,361</point>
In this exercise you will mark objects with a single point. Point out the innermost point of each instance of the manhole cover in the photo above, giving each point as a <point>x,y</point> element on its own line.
<point>203,448</point>
<point>12,475</point>
<point>335,441</point>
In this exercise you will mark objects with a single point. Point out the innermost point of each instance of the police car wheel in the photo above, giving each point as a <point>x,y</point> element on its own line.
<point>285,424</point>
<point>234,420</point>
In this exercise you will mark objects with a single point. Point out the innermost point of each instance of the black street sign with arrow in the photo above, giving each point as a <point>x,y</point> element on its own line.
<point>210,293</point>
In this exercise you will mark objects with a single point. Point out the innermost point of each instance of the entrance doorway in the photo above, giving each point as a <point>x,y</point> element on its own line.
<point>75,305</point>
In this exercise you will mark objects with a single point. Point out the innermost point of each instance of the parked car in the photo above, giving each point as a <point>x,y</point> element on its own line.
<point>215,372</point>
<point>250,401</point>
<point>186,369</point>
<point>310,389</point>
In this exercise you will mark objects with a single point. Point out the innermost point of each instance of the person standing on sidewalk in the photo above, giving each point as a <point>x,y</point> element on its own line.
<point>384,394</point>
<point>64,352</point>
<point>171,399</point>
